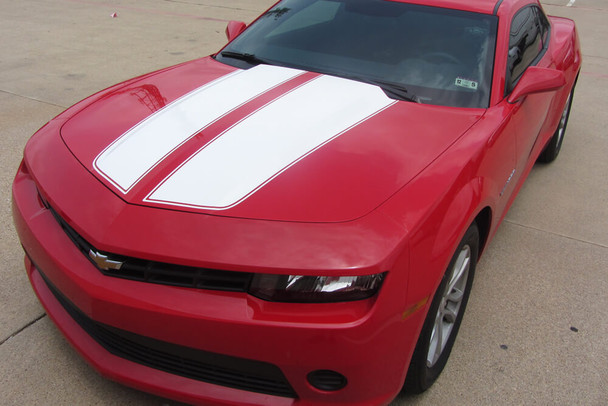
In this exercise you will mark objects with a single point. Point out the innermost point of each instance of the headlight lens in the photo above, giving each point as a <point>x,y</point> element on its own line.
<point>314,289</point>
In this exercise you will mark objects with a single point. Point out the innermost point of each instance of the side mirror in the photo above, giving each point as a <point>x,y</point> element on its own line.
<point>234,28</point>
<point>537,80</point>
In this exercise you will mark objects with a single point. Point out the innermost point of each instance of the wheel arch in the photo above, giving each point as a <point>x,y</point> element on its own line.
<point>484,222</point>
<point>439,231</point>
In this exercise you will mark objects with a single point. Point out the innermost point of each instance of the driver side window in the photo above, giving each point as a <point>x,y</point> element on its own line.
<point>527,42</point>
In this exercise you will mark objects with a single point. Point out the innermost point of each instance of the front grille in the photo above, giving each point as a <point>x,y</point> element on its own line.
<point>218,369</point>
<point>160,272</point>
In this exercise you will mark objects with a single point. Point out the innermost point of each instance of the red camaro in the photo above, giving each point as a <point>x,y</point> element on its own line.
<point>296,219</point>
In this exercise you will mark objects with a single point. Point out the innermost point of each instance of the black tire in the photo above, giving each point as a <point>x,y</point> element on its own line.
<point>429,359</point>
<point>554,145</point>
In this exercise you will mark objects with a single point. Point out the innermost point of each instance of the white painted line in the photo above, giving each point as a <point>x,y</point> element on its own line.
<point>570,3</point>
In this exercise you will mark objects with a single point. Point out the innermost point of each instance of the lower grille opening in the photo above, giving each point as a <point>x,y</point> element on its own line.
<point>218,369</point>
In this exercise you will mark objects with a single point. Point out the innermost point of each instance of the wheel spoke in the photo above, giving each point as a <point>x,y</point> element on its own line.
<point>436,340</point>
<point>455,295</point>
<point>460,268</point>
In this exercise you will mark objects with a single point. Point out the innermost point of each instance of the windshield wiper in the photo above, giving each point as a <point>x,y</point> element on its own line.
<point>250,58</point>
<point>393,90</point>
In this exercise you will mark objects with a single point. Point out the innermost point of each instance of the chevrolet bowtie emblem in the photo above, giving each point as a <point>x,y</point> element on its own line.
<point>103,262</point>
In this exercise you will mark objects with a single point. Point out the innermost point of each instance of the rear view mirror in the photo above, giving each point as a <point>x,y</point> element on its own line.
<point>537,80</point>
<point>234,28</point>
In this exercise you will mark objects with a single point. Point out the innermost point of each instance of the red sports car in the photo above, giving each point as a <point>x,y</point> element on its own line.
<point>296,219</point>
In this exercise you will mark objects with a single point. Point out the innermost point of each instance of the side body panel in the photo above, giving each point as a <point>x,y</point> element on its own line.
<point>438,206</point>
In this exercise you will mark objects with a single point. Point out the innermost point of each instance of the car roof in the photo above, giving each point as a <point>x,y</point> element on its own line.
<point>478,6</point>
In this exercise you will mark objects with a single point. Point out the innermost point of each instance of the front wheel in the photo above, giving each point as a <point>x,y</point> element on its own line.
<point>444,317</point>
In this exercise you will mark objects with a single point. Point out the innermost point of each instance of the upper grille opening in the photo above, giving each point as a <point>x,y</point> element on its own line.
<point>158,272</point>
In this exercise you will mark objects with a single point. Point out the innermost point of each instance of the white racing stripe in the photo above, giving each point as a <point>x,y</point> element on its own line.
<point>139,150</point>
<point>263,145</point>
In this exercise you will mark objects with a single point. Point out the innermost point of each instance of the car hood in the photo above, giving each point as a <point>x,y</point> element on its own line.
<point>267,143</point>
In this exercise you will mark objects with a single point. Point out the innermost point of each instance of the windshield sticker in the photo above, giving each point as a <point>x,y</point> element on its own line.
<point>469,84</point>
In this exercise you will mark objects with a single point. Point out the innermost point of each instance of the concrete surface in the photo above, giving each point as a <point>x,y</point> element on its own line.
<point>536,329</point>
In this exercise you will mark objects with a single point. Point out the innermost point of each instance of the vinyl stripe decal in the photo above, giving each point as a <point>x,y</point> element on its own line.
<point>261,146</point>
<point>177,157</point>
<point>128,159</point>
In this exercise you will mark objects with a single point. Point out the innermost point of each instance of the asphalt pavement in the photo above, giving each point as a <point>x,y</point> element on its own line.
<point>536,328</point>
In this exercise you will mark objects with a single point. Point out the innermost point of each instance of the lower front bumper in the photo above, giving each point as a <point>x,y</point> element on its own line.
<point>200,365</point>
<point>132,373</point>
<point>367,341</point>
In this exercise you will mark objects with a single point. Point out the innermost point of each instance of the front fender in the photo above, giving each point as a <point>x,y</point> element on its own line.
<point>437,219</point>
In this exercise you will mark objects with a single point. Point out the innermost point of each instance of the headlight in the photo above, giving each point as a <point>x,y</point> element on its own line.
<point>302,288</point>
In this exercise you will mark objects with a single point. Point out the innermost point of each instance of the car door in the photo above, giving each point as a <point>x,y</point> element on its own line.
<point>528,43</point>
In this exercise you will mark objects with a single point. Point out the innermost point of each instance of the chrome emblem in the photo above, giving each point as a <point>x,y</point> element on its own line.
<point>103,262</point>
<point>507,184</point>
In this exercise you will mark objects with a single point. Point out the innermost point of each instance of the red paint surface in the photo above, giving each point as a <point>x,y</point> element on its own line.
<point>397,201</point>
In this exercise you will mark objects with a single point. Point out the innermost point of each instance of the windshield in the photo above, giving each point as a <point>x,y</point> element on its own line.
<point>441,56</point>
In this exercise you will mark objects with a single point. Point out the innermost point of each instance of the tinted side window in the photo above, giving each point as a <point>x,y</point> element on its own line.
<point>544,25</point>
<point>525,43</point>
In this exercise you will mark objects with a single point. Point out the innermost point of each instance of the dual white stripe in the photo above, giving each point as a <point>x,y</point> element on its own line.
<point>250,153</point>
<point>139,150</point>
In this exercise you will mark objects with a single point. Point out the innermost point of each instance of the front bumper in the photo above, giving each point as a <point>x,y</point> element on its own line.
<point>367,341</point>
